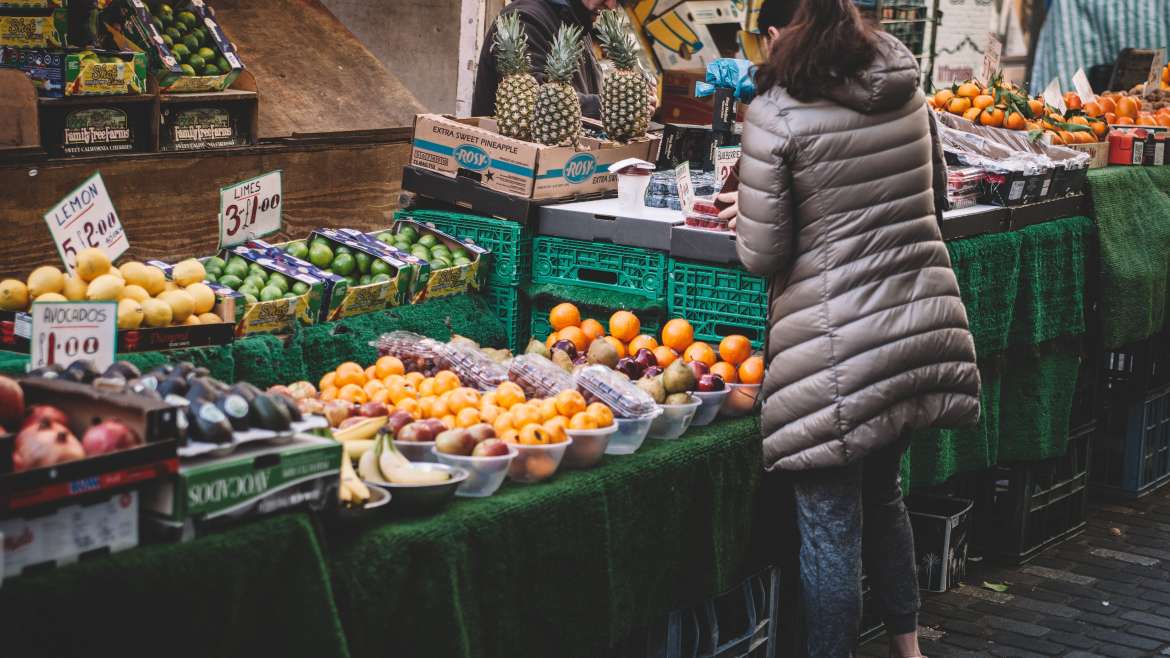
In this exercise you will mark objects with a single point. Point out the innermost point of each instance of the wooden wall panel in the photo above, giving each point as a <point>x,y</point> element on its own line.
<point>168,203</point>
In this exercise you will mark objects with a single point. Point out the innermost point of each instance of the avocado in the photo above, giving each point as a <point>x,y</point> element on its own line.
<point>208,424</point>
<point>82,371</point>
<point>269,414</point>
<point>246,391</point>
<point>175,384</point>
<point>200,389</point>
<point>294,412</point>
<point>236,408</point>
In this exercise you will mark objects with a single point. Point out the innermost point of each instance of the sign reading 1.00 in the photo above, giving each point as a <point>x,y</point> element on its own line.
<point>86,219</point>
<point>250,209</point>
<point>63,332</point>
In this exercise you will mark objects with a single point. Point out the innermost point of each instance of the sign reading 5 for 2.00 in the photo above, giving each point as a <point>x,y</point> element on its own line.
<point>86,219</point>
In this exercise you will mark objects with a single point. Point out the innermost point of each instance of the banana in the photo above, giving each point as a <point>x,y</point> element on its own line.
<point>388,456</point>
<point>351,483</point>
<point>361,431</point>
<point>412,475</point>
<point>358,447</point>
<point>368,467</point>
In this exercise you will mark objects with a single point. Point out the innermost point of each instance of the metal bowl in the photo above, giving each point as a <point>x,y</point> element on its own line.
<point>423,498</point>
<point>375,506</point>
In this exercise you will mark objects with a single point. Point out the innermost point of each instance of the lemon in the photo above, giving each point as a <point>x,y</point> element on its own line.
<point>13,295</point>
<point>106,287</point>
<point>92,263</point>
<point>51,297</point>
<point>137,293</point>
<point>45,279</point>
<point>192,320</point>
<point>188,272</point>
<point>169,286</point>
<point>156,280</point>
<point>203,296</point>
<point>135,274</point>
<point>156,313</point>
<point>75,288</point>
<point>210,318</point>
<point>181,303</point>
<point>130,314</point>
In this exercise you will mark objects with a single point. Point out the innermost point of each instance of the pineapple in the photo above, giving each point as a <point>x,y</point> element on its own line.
<point>516,93</point>
<point>625,102</point>
<point>557,119</point>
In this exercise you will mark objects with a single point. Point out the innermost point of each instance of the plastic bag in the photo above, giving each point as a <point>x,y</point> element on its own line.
<point>738,75</point>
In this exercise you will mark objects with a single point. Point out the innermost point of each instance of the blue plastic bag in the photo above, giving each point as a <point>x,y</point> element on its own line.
<point>738,75</point>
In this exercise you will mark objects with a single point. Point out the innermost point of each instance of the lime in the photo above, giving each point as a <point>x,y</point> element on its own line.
<point>174,33</point>
<point>236,269</point>
<point>279,281</point>
<point>290,295</point>
<point>380,267</point>
<point>168,40</point>
<point>459,252</point>
<point>187,18</point>
<point>191,41</point>
<point>363,262</point>
<point>428,241</point>
<point>364,279</point>
<point>167,19</point>
<point>214,263</point>
<point>320,255</point>
<point>196,62</point>
<point>187,70</point>
<point>270,293</point>
<point>237,259</point>
<point>251,299</point>
<point>258,270</point>
<point>342,249</point>
<point>298,250</point>
<point>165,9</point>
<point>211,69</point>
<point>344,264</point>
<point>249,289</point>
<point>408,234</point>
<point>158,23</point>
<point>300,287</point>
<point>386,237</point>
<point>207,54</point>
<point>221,63</point>
<point>420,251</point>
<point>181,52</point>
<point>253,280</point>
<point>461,261</point>
<point>439,264</point>
<point>404,247</point>
<point>380,278</point>
<point>231,280</point>
<point>201,34</point>
<point>211,276</point>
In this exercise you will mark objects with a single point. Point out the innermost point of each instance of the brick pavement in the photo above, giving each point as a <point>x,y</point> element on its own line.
<point>1105,594</point>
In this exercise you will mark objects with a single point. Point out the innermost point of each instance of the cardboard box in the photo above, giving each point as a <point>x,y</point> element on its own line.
<point>35,28</point>
<point>33,4</point>
<point>281,315</point>
<point>1137,146</point>
<point>368,298</point>
<point>691,35</point>
<point>449,280</point>
<point>200,127</point>
<point>106,525</point>
<point>473,149</point>
<point>16,333</point>
<point>694,144</point>
<point>256,480</point>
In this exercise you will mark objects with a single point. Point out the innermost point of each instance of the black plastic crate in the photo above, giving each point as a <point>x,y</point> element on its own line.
<point>942,528</point>
<point>1025,508</point>
<point>1132,371</point>
<point>1131,457</point>
<point>1089,396</point>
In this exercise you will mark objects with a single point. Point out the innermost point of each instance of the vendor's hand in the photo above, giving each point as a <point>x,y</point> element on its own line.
<point>731,212</point>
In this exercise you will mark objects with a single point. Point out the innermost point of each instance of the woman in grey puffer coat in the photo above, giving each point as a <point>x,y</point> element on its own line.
<point>868,338</point>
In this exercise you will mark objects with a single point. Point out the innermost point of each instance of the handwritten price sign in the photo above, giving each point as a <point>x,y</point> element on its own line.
<point>686,189</point>
<point>63,332</point>
<point>250,209</point>
<point>84,219</point>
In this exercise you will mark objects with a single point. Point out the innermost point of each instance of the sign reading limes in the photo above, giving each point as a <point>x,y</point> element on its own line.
<point>63,332</point>
<point>250,209</point>
<point>86,219</point>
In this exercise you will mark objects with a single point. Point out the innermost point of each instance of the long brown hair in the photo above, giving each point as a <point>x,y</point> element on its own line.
<point>826,43</point>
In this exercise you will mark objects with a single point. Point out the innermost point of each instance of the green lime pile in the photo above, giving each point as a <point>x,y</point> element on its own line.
<point>358,268</point>
<point>189,42</point>
<point>426,247</point>
<point>252,281</point>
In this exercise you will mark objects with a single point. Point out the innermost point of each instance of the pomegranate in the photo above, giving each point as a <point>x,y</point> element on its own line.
<point>11,402</point>
<point>45,444</point>
<point>108,436</point>
<point>39,412</point>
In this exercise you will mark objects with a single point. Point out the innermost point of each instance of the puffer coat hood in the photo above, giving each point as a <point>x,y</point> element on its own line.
<point>867,336</point>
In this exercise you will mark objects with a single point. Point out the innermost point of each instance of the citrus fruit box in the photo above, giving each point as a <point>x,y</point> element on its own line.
<point>256,480</point>
<point>57,73</point>
<point>456,266</point>
<point>180,44</point>
<point>34,28</point>
<point>377,278</point>
<point>16,334</point>
<point>473,149</point>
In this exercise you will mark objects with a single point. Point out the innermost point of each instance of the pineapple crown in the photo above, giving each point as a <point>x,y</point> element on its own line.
<point>564,55</point>
<point>612,31</point>
<point>511,46</point>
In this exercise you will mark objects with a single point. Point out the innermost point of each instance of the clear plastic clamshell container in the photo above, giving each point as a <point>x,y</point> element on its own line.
<point>539,377</point>
<point>474,368</point>
<point>615,390</point>
<point>416,352</point>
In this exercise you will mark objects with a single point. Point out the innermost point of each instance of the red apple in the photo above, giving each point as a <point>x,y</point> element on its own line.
<point>645,358</point>
<point>709,383</point>
<point>490,448</point>
<point>481,432</point>
<point>397,421</point>
<point>418,432</point>
<point>699,368</point>
<point>455,442</point>
<point>40,412</point>
<point>108,436</point>
<point>11,402</point>
<point>372,409</point>
<point>337,411</point>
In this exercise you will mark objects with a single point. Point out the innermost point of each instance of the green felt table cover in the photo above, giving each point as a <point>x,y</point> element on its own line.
<point>261,589</point>
<point>562,568</point>
<point>1133,221</point>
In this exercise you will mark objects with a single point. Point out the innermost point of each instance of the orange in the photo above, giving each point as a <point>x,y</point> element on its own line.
<point>555,427</point>
<point>1072,101</point>
<point>371,373</point>
<point>1037,107</point>
<point>327,381</point>
<point>983,101</point>
<point>373,386</point>
<point>1079,120</point>
<point>1110,117</point>
<point>1093,109</point>
<point>489,399</point>
<point>958,105</point>
<point>534,434</point>
<point>642,342</point>
<point>449,421</point>
<point>393,379</point>
<point>1146,119</point>
<point>678,334</point>
<point>735,349</point>
<point>1084,137</point>
<point>353,393</point>
<point>1125,121</point>
<point>582,421</point>
<point>389,365</point>
<point>1067,137</point>
<point>570,402</point>
<point>329,393</point>
<point>349,373</point>
<point>410,406</point>
<point>1164,120</point>
<point>1107,105</point>
<point>564,315</point>
<point>664,355</point>
<point>992,116</point>
<point>601,414</point>
<point>445,380</point>
<point>1053,137</point>
<point>624,326</point>
<point>509,436</point>
<point>503,423</point>
<point>551,340</point>
<point>726,371</point>
<point>752,370</point>
<point>509,394</point>
<point>1127,107</point>
<point>426,407</point>
<point>701,352</point>
<point>467,417</point>
<point>942,96</point>
<point>1014,121</point>
<point>400,392</point>
<point>427,387</point>
<point>462,398</point>
<point>523,414</point>
<point>489,413</point>
<point>972,114</point>
<point>618,346</point>
<point>1099,128</point>
<point>575,336</point>
<point>593,329</point>
<point>968,90</point>
<point>415,378</point>
<point>439,407</point>
<point>548,408</point>
<point>382,396</point>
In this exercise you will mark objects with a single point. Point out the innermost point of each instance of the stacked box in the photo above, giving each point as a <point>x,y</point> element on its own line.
<point>510,243</point>
<point>718,301</point>
<point>511,308</point>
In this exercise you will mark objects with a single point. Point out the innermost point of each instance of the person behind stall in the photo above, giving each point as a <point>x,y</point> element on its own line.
<point>867,336</point>
<point>541,20</point>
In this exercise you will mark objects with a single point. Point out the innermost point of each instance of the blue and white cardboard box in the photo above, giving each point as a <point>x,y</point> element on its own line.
<point>472,149</point>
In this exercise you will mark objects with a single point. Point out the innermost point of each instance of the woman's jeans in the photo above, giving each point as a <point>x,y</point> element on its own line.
<point>844,515</point>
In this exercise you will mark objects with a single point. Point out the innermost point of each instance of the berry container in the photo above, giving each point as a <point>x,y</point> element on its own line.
<point>588,446</point>
<point>599,383</point>
<point>539,377</point>
<point>674,421</point>
<point>630,434</point>
<point>712,403</point>
<point>485,474</point>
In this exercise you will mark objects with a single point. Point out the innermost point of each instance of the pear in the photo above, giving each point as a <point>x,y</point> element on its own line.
<point>602,353</point>
<point>537,347</point>
<point>678,378</point>
<point>562,359</point>
<point>653,387</point>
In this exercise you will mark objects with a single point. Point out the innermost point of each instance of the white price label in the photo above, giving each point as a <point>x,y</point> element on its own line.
<point>1053,97</point>
<point>992,53</point>
<point>726,157</point>
<point>686,189</point>
<point>1156,65</point>
<point>63,332</point>
<point>250,209</point>
<point>86,218</point>
<point>1084,89</point>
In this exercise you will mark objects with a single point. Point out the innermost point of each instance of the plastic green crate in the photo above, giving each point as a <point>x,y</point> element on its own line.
<point>602,266</point>
<point>512,310</point>
<point>509,242</point>
<point>718,301</point>
<point>651,322</point>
